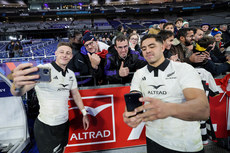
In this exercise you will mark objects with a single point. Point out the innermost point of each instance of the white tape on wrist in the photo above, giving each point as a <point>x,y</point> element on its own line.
<point>84,112</point>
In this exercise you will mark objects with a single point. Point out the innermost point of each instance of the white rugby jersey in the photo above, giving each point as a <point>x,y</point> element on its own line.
<point>53,96</point>
<point>166,82</point>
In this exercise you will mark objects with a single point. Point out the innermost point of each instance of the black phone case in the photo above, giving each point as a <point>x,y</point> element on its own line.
<point>132,101</point>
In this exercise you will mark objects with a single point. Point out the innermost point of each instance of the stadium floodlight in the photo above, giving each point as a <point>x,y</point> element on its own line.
<point>12,38</point>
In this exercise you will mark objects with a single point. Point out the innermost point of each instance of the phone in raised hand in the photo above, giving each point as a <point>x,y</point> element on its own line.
<point>132,101</point>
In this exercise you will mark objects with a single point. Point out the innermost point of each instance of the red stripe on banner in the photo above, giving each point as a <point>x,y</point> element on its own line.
<point>11,65</point>
<point>218,113</point>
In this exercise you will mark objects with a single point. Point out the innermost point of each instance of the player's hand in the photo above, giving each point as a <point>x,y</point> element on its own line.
<point>197,57</point>
<point>175,58</point>
<point>85,121</point>
<point>130,119</point>
<point>155,109</point>
<point>21,77</point>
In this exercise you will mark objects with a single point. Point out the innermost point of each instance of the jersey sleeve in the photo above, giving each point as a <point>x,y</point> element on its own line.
<point>74,82</point>
<point>189,78</point>
<point>136,81</point>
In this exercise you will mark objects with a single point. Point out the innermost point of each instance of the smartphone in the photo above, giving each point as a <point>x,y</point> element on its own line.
<point>209,48</point>
<point>44,74</point>
<point>132,101</point>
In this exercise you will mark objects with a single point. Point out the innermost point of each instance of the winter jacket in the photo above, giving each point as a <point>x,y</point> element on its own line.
<point>113,63</point>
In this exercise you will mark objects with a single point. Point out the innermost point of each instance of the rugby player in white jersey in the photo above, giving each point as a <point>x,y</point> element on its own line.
<point>174,98</point>
<point>51,128</point>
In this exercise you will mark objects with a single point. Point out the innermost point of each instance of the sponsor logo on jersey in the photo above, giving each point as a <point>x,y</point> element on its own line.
<point>55,77</point>
<point>156,91</point>
<point>144,78</point>
<point>156,87</point>
<point>64,85</point>
<point>71,78</point>
<point>170,75</point>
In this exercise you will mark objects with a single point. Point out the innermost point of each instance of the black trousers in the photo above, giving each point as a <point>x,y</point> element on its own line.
<point>153,147</point>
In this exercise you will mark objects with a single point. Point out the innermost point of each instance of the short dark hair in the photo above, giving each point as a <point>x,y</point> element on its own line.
<point>120,38</point>
<point>168,23</point>
<point>120,27</point>
<point>196,29</point>
<point>183,32</point>
<point>73,33</point>
<point>64,44</point>
<point>206,41</point>
<point>157,38</point>
<point>165,34</point>
<point>179,19</point>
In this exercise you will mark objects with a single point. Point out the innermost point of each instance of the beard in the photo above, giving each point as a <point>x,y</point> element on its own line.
<point>188,43</point>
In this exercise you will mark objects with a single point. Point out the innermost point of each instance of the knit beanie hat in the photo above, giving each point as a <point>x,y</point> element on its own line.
<point>88,36</point>
<point>205,24</point>
<point>185,22</point>
<point>215,31</point>
<point>163,21</point>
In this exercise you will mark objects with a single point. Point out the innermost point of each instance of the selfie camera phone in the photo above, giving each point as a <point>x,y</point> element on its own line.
<point>44,74</point>
<point>132,101</point>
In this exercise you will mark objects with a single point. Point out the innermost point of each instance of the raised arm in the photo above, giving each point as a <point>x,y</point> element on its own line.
<point>22,82</point>
<point>195,108</point>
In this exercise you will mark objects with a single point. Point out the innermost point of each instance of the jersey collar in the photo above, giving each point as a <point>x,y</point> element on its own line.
<point>59,69</point>
<point>162,66</point>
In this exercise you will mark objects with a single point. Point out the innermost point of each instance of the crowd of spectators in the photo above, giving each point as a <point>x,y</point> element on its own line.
<point>113,59</point>
<point>107,58</point>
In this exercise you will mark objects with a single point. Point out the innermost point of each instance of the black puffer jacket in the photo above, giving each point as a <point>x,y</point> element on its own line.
<point>133,61</point>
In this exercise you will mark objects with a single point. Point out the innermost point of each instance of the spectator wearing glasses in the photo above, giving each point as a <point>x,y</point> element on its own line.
<point>91,58</point>
<point>121,61</point>
<point>134,42</point>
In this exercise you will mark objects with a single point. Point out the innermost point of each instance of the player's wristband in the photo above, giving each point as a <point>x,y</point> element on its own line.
<point>84,112</point>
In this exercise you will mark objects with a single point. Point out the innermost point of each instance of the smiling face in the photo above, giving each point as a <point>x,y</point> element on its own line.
<point>63,56</point>
<point>91,46</point>
<point>179,24</point>
<point>169,28</point>
<point>217,37</point>
<point>134,40</point>
<point>168,42</point>
<point>189,38</point>
<point>153,51</point>
<point>205,28</point>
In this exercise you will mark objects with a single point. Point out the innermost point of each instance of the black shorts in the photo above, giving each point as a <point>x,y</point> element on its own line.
<point>51,139</point>
<point>153,147</point>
